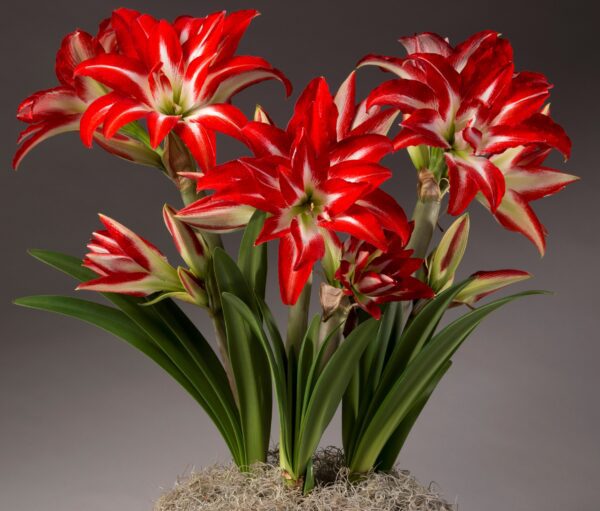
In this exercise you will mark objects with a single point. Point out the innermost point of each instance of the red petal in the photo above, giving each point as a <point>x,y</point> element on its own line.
<point>50,103</point>
<point>408,95</point>
<point>265,139</point>
<point>359,223</point>
<point>538,129</point>
<point>368,148</point>
<point>121,113</point>
<point>94,116</point>
<point>291,282</point>
<point>37,133</point>
<point>159,126</point>
<point>426,42</point>
<point>483,176</point>
<point>118,72</point>
<point>371,174</point>
<point>224,118</point>
<point>74,49</point>
<point>515,214</point>
<point>388,213</point>
<point>344,101</point>
<point>164,48</point>
<point>200,142</point>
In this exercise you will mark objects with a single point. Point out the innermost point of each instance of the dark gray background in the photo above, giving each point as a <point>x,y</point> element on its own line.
<point>87,423</point>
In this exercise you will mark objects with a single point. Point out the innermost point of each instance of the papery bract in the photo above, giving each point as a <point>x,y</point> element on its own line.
<point>372,276</point>
<point>469,101</point>
<point>177,76</point>
<point>312,178</point>
<point>59,110</point>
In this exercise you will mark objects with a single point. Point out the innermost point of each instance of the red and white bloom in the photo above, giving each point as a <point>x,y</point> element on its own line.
<point>526,180</point>
<point>59,110</point>
<point>372,276</point>
<point>128,264</point>
<point>311,180</point>
<point>470,102</point>
<point>177,76</point>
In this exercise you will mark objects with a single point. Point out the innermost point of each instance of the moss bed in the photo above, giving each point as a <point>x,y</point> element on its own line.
<point>225,488</point>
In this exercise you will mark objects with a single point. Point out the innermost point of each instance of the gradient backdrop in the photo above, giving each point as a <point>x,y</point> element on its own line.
<point>88,424</point>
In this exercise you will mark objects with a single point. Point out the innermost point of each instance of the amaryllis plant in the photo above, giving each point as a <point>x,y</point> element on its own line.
<point>156,92</point>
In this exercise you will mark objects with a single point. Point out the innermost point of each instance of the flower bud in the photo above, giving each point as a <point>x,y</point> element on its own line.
<point>190,244</point>
<point>447,256</point>
<point>486,282</point>
<point>177,159</point>
<point>261,116</point>
<point>196,292</point>
<point>419,155</point>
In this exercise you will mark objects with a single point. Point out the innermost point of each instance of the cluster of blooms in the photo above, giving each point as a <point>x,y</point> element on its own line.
<point>468,117</point>
<point>489,120</point>
<point>177,76</point>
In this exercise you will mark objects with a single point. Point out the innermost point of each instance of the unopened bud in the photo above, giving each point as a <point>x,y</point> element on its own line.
<point>177,159</point>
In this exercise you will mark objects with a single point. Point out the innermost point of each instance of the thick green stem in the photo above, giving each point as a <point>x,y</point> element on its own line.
<point>425,216</point>
<point>332,327</point>
<point>189,195</point>
<point>298,319</point>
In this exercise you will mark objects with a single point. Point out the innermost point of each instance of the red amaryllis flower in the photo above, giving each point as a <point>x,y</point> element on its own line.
<point>128,264</point>
<point>310,181</point>
<point>373,277</point>
<point>59,110</point>
<point>469,101</point>
<point>178,76</point>
<point>527,180</point>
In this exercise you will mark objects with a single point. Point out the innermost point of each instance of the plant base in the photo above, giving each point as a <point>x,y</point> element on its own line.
<point>225,488</point>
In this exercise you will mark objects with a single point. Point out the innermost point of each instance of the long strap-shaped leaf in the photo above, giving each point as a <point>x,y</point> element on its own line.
<point>413,382</point>
<point>276,366</point>
<point>248,361</point>
<point>329,388</point>
<point>389,454</point>
<point>252,260</point>
<point>416,334</point>
<point>208,378</point>
<point>114,322</point>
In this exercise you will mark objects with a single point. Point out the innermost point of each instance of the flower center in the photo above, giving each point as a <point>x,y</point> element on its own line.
<point>310,205</point>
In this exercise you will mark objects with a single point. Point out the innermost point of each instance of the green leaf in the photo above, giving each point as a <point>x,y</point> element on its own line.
<point>248,361</point>
<point>329,389</point>
<point>389,454</point>
<point>162,323</point>
<point>113,321</point>
<point>416,334</point>
<point>359,395</point>
<point>305,361</point>
<point>407,389</point>
<point>252,260</point>
<point>309,479</point>
<point>276,366</point>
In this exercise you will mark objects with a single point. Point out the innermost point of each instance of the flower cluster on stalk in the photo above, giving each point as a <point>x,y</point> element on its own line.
<point>469,102</point>
<point>317,177</point>
<point>156,92</point>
